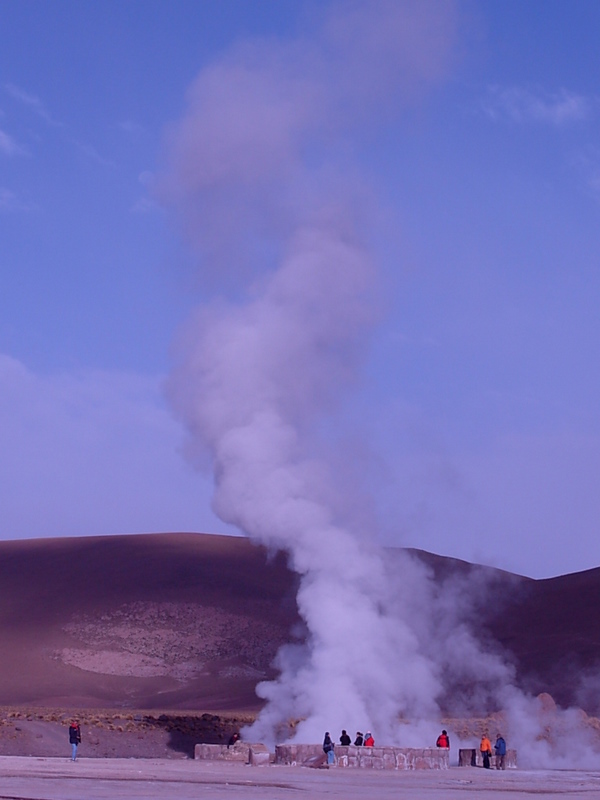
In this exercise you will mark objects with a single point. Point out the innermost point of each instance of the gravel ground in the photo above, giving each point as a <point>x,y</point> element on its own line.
<point>153,779</point>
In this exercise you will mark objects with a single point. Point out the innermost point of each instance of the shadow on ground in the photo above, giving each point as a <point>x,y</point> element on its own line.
<point>187,731</point>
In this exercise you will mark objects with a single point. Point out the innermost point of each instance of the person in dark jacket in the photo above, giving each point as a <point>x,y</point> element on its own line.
<point>359,739</point>
<point>345,739</point>
<point>500,749</point>
<point>443,740</point>
<point>328,748</point>
<point>235,737</point>
<point>74,737</point>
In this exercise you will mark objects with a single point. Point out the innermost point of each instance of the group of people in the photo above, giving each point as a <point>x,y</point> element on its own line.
<point>485,748</point>
<point>361,741</point>
<point>443,741</point>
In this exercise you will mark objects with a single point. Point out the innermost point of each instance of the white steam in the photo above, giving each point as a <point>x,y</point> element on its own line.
<point>264,176</point>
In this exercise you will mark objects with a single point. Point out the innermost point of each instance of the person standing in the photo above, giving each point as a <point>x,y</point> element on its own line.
<point>500,748</point>
<point>485,748</point>
<point>328,748</point>
<point>369,740</point>
<point>443,740</point>
<point>74,737</point>
<point>358,742</point>
<point>345,739</point>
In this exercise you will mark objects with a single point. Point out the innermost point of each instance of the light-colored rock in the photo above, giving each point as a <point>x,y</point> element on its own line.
<point>259,755</point>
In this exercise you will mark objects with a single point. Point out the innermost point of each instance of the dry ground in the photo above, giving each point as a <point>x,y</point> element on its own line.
<point>109,734</point>
<point>152,779</point>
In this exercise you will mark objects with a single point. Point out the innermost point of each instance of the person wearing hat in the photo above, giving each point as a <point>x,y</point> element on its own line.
<point>369,740</point>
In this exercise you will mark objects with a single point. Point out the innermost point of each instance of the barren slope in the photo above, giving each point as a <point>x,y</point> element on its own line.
<point>192,621</point>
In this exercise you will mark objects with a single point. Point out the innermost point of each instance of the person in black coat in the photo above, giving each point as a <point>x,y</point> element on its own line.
<point>328,748</point>
<point>345,739</point>
<point>74,737</point>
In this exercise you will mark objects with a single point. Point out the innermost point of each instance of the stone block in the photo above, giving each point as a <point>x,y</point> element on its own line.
<point>467,757</point>
<point>471,757</point>
<point>293,754</point>
<point>220,752</point>
<point>314,762</point>
<point>401,760</point>
<point>351,757</point>
<point>389,760</point>
<point>259,755</point>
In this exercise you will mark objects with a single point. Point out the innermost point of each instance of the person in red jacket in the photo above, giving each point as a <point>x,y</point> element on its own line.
<point>443,740</point>
<point>369,740</point>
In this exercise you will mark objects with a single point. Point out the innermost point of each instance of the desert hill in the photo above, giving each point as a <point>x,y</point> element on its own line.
<point>192,621</point>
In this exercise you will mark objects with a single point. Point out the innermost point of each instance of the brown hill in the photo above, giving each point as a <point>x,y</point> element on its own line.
<point>192,621</point>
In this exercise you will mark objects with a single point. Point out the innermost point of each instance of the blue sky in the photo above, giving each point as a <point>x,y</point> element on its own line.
<point>477,409</point>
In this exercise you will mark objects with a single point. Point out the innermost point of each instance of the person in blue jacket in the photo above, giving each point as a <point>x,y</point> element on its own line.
<point>500,748</point>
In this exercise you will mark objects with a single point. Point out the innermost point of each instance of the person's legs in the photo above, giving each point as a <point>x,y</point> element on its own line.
<point>73,751</point>
<point>330,757</point>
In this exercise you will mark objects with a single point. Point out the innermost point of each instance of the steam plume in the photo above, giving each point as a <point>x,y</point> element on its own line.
<point>264,176</point>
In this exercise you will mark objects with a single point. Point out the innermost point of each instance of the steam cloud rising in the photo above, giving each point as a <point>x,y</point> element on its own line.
<point>265,176</point>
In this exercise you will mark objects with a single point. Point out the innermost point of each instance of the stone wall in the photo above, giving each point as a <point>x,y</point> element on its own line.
<point>220,752</point>
<point>471,757</point>
<point>257,755</point>
<point>364,757</point>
